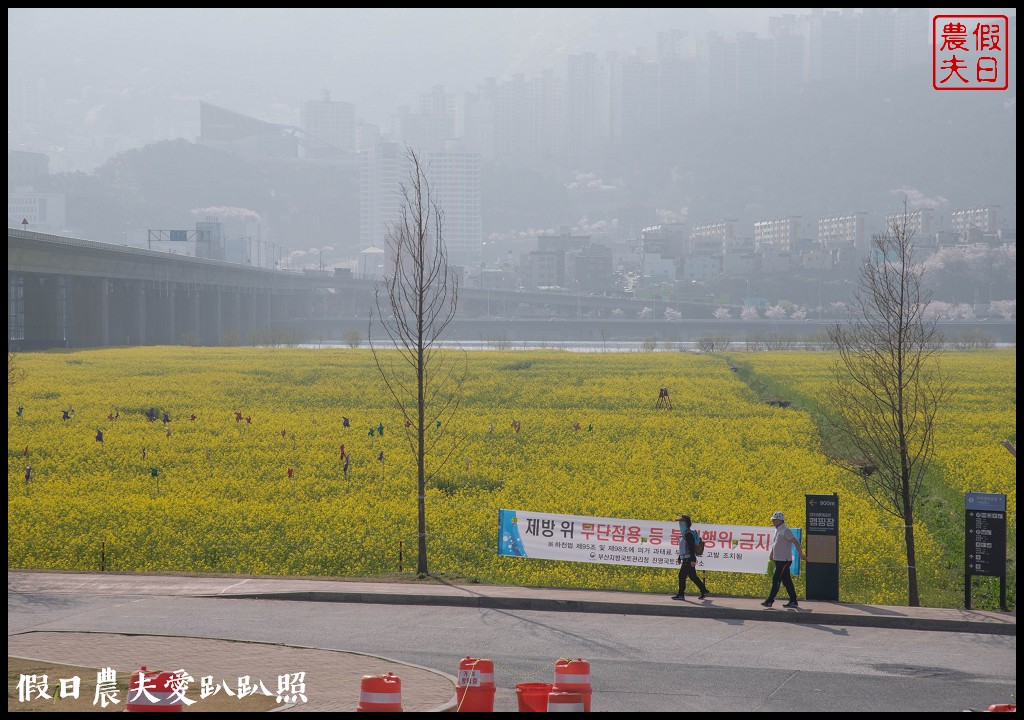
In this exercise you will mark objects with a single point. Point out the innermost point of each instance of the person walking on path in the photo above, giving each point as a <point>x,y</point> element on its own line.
<point>688,560</point>
<point>781,554</point>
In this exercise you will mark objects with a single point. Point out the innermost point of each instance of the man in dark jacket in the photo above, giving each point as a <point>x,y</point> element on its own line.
<point>687,560</point>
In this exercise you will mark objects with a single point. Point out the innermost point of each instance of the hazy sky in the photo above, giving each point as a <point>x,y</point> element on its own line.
<point>376,58</point>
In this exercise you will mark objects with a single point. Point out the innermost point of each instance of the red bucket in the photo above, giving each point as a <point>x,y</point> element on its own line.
<point>533,697</point>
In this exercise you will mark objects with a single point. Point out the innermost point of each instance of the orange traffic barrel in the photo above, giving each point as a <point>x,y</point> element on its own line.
<point>380,693</point>
<point>533,696</point>
<point>475,690</point>
<point>154,691</point>
<point>574,676</point>
<point>565,702</point>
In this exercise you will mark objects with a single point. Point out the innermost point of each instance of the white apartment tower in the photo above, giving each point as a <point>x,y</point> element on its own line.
<point>971,224</point>
<point>382,170</point>
<point>919,222</point>
<point>842,231</point>
<point>778,236</point>
<point>331,121</point>
<point>454,179</point>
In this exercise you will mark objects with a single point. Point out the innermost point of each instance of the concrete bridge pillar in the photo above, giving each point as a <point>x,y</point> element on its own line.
<point>139,292</point>
<point>43,310</point>
<point>103,290</point>
<point>236,323</point>
<point>172,327</point>
<point>194,321</point>
<point>218,316</point>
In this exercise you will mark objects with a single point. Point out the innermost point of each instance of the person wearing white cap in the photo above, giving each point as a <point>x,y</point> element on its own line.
<point>780,553</point>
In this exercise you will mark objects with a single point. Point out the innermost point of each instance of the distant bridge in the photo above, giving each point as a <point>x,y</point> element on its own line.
<point>66,292</point>
<point>70,293</point>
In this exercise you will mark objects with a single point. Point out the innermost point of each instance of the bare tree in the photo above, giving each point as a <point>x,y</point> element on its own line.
<point>415,303</point>
<point>888,382</point>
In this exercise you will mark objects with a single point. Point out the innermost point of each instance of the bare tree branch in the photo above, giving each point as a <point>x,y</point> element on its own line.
<point>888,382</point>
<point>414,304</point>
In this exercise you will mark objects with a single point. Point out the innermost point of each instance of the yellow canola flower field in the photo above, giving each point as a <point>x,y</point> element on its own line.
<point>978,414</point>
<point>256,483</point>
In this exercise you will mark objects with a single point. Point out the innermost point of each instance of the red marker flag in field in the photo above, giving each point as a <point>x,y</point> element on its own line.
<point>25,454</point>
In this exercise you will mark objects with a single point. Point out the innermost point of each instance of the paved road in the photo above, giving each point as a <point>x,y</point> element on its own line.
<point>646,652</point>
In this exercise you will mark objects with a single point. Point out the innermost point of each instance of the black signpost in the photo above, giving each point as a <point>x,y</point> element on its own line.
<point>985,541</point>
<point>822,547</point>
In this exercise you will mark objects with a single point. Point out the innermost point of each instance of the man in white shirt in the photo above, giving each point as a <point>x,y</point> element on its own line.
<point>781,554</point>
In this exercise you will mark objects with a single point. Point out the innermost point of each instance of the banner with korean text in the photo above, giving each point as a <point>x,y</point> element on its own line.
<point>642,543</point>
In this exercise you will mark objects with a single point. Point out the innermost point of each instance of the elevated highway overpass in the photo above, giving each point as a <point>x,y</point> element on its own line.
<point>70,293</point>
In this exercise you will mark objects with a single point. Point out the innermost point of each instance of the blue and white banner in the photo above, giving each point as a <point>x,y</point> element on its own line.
<point>643,543</point>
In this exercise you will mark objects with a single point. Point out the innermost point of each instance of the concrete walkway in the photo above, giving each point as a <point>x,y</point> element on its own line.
<point>422,689</point>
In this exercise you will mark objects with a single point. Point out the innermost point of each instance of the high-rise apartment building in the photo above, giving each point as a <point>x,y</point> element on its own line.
<point>778,236</point>
<point>842,231</point>
<point>789,49</point>
<point>519,119</point>
<point>677,80</point>
<point>971,225</point>
<point>588,107</point>
<point>919,222</point>
<point>383,169</point>
<point>453,176</point>
<point>865,44</point>
<point>332,121</point>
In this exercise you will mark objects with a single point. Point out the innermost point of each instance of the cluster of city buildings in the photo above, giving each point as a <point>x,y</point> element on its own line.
<point>601,105</point>
<point>675,252</point>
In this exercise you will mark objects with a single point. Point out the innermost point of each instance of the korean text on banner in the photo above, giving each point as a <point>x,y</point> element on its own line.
<point>642,543</point>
